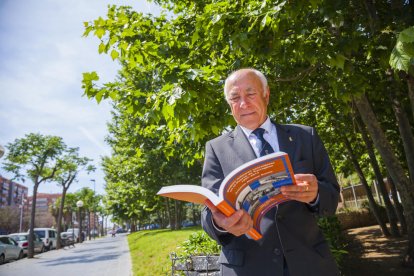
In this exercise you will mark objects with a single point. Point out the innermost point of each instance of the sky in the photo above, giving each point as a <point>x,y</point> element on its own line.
<point>42,57</point>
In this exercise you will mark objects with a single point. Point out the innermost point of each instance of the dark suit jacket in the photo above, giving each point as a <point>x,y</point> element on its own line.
<point>289,230</point>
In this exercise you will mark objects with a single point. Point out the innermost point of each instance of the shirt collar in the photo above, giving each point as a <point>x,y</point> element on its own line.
<point>267,126</point>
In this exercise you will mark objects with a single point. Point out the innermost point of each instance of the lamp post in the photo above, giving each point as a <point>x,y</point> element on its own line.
<point>79,204</point>
<point>22,202</point>
<point>94,211</point>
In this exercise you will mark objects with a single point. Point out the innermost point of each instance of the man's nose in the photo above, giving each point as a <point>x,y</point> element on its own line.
<point>243,102</point>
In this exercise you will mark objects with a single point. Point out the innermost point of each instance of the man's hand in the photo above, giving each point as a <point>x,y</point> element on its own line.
<point>306,189</point>
<point>237,224</point>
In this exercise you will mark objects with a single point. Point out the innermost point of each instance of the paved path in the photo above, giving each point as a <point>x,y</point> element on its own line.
<point>103,256</point>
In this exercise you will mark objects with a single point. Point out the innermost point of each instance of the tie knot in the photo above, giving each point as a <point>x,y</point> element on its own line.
<point>259,132</point>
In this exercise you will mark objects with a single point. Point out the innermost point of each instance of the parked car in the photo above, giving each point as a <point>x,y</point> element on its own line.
<point>48,236</point>
<point>67,239</point>
<point>74,232</point>
<point>22,240</point>
<point>9,250</point>
<point>120,230</point>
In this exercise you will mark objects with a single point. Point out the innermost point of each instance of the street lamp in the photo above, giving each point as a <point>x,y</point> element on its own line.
<point>79,204</point>
<point>94,211</point>
<point>22,202</point>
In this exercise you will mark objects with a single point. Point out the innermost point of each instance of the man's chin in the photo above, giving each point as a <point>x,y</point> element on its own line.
<point>250,124</point>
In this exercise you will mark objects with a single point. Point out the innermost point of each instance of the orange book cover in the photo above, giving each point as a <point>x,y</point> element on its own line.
<point>254,187</point>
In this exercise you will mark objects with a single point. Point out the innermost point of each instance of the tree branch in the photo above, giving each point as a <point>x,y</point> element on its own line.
<point>299,76</point>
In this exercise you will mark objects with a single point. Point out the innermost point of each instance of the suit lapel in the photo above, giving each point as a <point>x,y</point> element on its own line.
<point>241,146</point>
<point>286,140</point>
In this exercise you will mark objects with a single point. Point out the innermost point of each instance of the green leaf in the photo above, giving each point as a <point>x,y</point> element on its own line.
<point>101,48</point>
<point>100,32</point>
<point>407,35</point>
<point>265,21</point>
<point>114,54</point>
<point>168,111</point>
<point>399,59</point>
<point>93,76</point>
<point>337,61</point>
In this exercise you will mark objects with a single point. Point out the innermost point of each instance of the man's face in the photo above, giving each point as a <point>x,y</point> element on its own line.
<point>246,99</point>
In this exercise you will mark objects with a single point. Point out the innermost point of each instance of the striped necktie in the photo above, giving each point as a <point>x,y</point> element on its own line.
<point>265,147</point>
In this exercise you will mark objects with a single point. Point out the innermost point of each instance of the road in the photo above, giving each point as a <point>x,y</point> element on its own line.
<point>102,256</point>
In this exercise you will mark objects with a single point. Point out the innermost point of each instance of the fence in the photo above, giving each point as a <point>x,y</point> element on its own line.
<point>195,265</point>
<point>353,195</point>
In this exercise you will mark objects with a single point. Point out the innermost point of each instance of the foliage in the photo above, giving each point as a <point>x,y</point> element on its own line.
<point>138,169</point>
<point>316,54</point>
<point>35,157</point>
<point>402,56</point>
<point>199,243</point>
<point>321,58</point>
<point>331,228</point>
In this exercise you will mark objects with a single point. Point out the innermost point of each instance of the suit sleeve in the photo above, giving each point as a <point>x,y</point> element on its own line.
<point>211,178</point>
<point>328,185</point>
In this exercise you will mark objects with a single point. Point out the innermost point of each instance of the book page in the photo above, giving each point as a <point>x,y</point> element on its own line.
<point>189,193</point>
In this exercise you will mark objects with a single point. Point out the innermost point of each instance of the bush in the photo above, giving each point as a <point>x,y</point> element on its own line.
<point>331,228</point>
<point>199,243</point>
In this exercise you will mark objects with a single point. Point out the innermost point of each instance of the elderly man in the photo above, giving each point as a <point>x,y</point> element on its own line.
<point>292,242</point>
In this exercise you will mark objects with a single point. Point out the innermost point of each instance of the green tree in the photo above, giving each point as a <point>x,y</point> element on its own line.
<point>34,157</point>
<point>71,165</point>
<point>90,202</point>
<point>173,68</point>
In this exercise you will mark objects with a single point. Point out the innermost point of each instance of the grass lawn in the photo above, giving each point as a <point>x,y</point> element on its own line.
<point>150,249</point>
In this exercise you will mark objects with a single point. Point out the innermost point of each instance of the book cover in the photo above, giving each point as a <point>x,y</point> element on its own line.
<point>254,187</point>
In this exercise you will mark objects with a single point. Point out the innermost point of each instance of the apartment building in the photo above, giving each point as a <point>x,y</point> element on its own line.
<point>11,193</point>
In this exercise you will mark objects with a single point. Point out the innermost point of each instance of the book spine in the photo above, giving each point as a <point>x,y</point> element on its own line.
<point>226,209</point>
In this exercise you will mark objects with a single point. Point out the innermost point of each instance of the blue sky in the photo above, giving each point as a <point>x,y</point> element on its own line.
<point>42,58</point>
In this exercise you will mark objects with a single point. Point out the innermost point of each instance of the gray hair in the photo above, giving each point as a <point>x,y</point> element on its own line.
<point>259,74</point>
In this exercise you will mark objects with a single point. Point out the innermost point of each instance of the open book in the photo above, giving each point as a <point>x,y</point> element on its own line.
<point>254,186</point>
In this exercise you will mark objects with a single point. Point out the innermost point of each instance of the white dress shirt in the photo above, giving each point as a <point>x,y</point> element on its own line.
<point>270,135</point>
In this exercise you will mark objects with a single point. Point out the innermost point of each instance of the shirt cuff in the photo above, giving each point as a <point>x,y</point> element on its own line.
<point>219,229</point>
<point>315,202</point>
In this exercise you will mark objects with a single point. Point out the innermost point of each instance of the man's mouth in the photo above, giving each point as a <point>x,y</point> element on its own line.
<point>247,114</point>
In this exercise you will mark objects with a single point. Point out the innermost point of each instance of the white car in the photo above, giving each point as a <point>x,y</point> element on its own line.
<point>48,236</point>
<point>74,232</point>
<point>9,250</point>
<point>22,240</point>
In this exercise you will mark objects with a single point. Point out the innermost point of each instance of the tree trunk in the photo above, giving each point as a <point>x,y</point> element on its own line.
<point>410,84</point>
<point>59,220</point>
<point>397,205</point>
<point>406,133</point>
<point>372,15</point>
<point>372,204</point>
<point>89,225</point>
<point>170,217</point>
<point>394,168</point>
<point>380,180</point>
<point>30,252</point>
<point>177,214</point>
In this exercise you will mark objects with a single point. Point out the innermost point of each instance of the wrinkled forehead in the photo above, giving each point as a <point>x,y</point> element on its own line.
<point>243,81</point>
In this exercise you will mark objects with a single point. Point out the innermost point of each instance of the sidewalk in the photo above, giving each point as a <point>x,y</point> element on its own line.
<point>103,256</point>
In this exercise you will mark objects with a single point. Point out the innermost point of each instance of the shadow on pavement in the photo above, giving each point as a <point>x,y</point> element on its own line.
<point>83,258</point>
<point>371,253</point>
